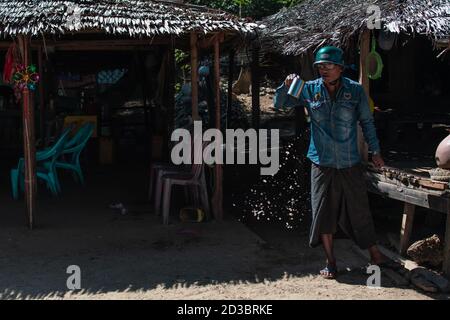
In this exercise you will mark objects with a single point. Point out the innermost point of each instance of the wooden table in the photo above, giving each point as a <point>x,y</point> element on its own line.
<point>414,188</point>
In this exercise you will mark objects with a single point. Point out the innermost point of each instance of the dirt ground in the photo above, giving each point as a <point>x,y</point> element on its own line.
<point>134,256</point>
<point>266,103</point>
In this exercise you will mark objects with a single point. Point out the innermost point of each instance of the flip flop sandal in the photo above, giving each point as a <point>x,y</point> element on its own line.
<point>329,272</point>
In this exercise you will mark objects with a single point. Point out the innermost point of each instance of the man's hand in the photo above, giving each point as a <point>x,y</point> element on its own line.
<point>289,79</point>
<point>377,161</point>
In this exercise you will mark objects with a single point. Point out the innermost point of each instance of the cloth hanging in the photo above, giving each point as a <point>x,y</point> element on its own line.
<point>11,59</point>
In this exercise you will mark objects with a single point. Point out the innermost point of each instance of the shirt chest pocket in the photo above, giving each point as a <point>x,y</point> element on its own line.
<point>346,111</point>
<point>319,110</point>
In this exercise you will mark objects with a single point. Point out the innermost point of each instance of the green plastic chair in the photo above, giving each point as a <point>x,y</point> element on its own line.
<point>45,167</point>
<point>74,147</point>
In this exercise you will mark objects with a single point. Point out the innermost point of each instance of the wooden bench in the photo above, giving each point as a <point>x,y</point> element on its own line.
<point>414,189</point>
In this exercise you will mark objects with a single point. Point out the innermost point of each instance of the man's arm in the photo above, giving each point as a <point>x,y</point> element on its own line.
<point>367,123</point>
<point>282,99</point>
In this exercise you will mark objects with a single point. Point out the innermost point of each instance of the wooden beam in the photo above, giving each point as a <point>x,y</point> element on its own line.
<point>364,52</point>
<point>414,179</point>
<point>194,76</point>
<point>407,225</point>
<point>365,82</point>
<point>28,137</point>
<point>98,48</point>
<point>433,200</point>
<point>217,82</point>
<point>256,104</point>
<point>436,185</point>
<point>217,202</point>
<point>230,84</point>
<point>209,42</point>
<point>430,200</point>
<point>82,45</point>
<point>171,82</point>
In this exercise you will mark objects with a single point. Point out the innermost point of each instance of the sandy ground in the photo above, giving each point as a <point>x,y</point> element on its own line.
<point>134,256</point>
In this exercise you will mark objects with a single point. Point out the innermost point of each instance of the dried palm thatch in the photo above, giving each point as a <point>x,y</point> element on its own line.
<point>314,23</point>
<point>121,17</point>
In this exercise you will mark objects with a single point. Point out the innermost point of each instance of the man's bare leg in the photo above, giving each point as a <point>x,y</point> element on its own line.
<point>375,255</point>
<point>327,242</point>
<point>378,258</point>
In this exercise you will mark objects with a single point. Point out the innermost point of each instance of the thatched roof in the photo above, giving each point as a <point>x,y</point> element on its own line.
<point>121,17</point>
<point>314,23</point>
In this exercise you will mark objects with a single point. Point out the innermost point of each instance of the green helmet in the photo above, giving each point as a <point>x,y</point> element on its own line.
<point>330,55</point>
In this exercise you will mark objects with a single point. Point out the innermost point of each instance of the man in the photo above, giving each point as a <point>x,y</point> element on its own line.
<point>335,105</point>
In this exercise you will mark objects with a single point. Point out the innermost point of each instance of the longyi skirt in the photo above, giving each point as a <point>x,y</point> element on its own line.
<point>339,200</point>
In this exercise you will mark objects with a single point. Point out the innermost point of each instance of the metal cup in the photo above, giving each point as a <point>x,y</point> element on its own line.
<point>296,88</point>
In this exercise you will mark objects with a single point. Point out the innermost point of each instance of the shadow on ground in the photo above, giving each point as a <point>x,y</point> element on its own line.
<point>134,256</point>
<point>121,253</point>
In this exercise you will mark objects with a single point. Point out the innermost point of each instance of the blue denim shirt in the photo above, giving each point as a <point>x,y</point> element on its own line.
<point>334,123</point>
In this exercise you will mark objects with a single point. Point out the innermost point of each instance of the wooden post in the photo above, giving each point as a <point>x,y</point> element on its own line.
<point>41,94</point>
<point>148,135</point>
<point>230,84</point>
<point>171,89</point>
<point>169,98</point>
<point>446,265</point>
<point>407,225</point>
<point>217,200</point>
<point>28,137</point>
<point>194,75</point>
<point>364,81</point>
<point>256,110</point>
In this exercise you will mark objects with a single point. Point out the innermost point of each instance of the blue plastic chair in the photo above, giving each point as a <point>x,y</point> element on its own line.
<point>45,167</point>
<point>74,147</point>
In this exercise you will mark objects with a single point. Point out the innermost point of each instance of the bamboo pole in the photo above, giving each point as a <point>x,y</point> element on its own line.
<point>42,110</point>
<point>218,192</point>
<point>171,89</point>
<point>230,84</point>
<point>256,109</point>
<point>194,76</point>
<point>28,138</point>
<point>365,82</point>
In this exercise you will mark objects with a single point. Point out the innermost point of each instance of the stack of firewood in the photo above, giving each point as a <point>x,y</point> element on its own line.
<point>428,251</point>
